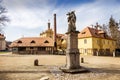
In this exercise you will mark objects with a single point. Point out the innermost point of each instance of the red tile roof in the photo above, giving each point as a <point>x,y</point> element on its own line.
<point>92,32</point>
<point>33,42</point>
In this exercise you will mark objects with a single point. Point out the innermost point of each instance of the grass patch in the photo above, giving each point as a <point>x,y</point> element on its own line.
<point>3,52</point>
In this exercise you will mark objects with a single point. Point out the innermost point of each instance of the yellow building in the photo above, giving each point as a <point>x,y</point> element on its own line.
<point>48,32</point>
<point>95,42</point>
<point>61,41</point>
<point>59,38</point>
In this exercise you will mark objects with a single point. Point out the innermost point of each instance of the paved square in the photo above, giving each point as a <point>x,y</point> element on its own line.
<point>21,67</point>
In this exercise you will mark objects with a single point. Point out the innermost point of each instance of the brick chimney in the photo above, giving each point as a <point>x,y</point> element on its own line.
<point>55,40</point>
<point>48,24</point>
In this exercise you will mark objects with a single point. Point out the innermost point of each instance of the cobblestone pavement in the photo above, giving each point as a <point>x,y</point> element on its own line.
<point>21,67</point>
<point>94,74</point>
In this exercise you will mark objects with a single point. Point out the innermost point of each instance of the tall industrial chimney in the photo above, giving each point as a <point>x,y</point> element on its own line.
<point>55,40</point>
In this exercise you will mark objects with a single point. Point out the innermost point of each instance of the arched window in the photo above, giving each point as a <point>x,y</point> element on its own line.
<point>19,41</point>
<point>83,32</point>
<point>46,41</point>
<point>32,41</point>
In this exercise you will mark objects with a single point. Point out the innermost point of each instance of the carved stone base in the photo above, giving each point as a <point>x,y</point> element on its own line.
<point>72,60</point>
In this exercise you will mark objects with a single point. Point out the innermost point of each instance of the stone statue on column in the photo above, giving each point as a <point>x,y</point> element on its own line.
<point>71,21</point>
<point>72,51</point>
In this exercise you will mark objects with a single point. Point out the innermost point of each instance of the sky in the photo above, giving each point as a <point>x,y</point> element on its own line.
<point>29,18</point>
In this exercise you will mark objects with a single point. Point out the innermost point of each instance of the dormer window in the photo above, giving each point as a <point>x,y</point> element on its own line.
<point>46,41</point>
<point>32,41</point>
<point>19,41</point>
<point>95,33</point>
<point>83,32</point>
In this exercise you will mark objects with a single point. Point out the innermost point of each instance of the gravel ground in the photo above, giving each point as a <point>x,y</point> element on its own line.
<point>94,74</point>
<point>21,67</point>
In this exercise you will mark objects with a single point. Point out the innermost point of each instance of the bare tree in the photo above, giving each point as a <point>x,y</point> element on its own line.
<point>114,31</point>
<point>105,27</point>
<point>3,17</point>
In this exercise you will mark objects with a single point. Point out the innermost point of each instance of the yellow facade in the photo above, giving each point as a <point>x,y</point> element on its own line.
<point>84,45</point>
<point>92,45</point>
<point>90,41</point>
<point>47,33</point>
<point>64,44</point>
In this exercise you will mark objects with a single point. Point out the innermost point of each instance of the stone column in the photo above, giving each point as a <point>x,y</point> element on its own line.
<point>72,55</point>
<point>72,52</point>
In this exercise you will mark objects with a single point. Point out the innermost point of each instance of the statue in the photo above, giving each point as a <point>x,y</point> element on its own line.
<point>71,21</point>
<point>72,51</point>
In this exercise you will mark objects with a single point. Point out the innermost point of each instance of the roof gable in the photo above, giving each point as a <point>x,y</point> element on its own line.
<point>85,33</point>
<point>92,32</point>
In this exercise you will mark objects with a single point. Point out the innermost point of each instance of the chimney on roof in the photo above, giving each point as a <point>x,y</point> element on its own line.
<point>48,24</point>
<point>55,41</point>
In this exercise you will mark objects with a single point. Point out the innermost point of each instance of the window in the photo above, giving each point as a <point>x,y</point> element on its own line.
<point>19,41</point>
<point>85,41</point>
<point>21,48</point>
<point>32,41</point>
<point>85,50</point>
<point>83,32</point>
<point>31,48</point>
<point>14,49</point>
<point>95,33</point>
<point>43,48</point>
<point>46,41</point>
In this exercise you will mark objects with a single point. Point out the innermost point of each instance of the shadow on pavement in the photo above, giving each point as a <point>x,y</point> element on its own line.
<point>47,71</point>
<point>105,70</point>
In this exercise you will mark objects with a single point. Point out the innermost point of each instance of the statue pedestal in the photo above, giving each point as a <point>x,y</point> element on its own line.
<point>72,54</point>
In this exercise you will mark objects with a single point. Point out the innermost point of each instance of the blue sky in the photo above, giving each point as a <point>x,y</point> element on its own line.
<point>30,17</point>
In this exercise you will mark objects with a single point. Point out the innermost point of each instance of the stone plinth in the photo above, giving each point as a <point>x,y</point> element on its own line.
<point>72,52</point>
<point>72,61</point>
<point>73,71</point>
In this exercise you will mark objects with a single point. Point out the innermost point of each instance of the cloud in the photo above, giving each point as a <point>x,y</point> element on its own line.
<point>24,14</point>
<point>27,18</point>
<point>34,14</point>
<point>98,11</point>
<point>88,14</point>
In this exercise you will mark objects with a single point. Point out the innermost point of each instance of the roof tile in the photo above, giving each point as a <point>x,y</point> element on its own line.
<point>26,42</point>
<point>92,32</point>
